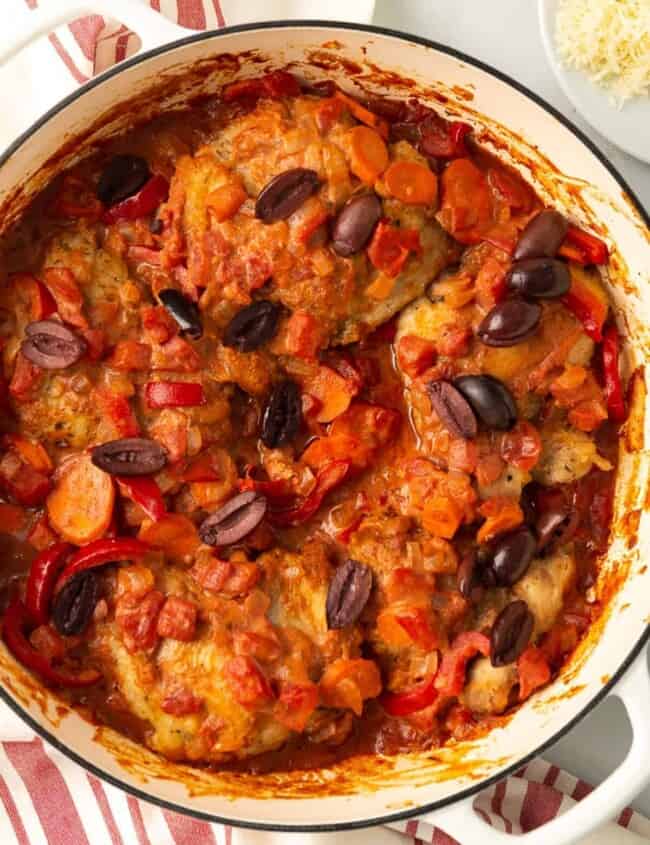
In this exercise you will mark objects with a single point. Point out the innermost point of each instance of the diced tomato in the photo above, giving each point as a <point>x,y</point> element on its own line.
<point>347,683</point>
<point>295,704</point>
<point>117,409</point>
<point>25,378</point>
<point>390,247</point>
<point>410,701</point>
<point>490,285</point>
<point>333,391</point>
<point>453,341</point>
<point>510,189</point>
<point>522,446</point>
<point>247,682</point>
<point>263,646</point>
<point>174,394</point>
<point>63,286</point>
<point>303,336</point>
<point>502,514</point>
<point>417,622</point>
<point>231,578</point>
<point>137,618</point>
<point>450,679</point>
<point>466,209</point>
<point>21,481</point>
<point>177,619</point>
<point>583,247</point>
<point>181,701</point>
<point>415,355</point>
<point>41,535</point>
<point>158,324</point>
<point>534,671</point>
<point>130,355</point>
<point>176,355</point>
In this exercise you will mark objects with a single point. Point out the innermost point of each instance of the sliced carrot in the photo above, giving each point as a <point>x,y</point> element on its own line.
<point>333,392</point>
<point>368,154</point>
<point>364,115</point>
<point>442,516</point>
<point>502,513</point>
<point>32,452</point>
<point>174,533</point>
<point>80,507</point>
<point>225,201</point>
<point>412,182</point>
<point>381,287</point>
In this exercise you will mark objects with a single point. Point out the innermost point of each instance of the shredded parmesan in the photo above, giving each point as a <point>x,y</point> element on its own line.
<point>610,41</point>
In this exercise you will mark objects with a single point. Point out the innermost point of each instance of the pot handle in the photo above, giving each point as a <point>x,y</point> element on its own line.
<point>599,807</point>
<point>25,25</point>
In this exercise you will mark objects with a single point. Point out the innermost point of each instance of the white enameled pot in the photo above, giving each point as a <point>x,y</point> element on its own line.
<point>569,171</point>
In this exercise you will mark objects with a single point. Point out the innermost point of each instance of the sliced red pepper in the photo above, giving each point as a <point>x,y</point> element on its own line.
<point>329,477</point>
<point>583,247</point>
<point>154,191</point>
<point>174,394</point>
<point>145,492</point>
<point>390,247</point>
<point>42,578</point>
<point>412,700</point>
<point>450,679</point>
<point>99,552</point>
<point>41,301</point>
<point>612,384</point>
<point>15,623</point>
<point>588,302</point>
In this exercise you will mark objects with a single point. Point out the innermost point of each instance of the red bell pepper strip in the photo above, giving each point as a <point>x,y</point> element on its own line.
<point>154,191</point>
<point>16,621</point>
<point>450,679</point>
<point>174,394</point>
<point>145,492</point>
<point>42,578</point>
<point>390,247</point>
<point>329,477</point>
<point>99,552</point>
<point>613,386</point>
<point>588,302</point>
<point>583,247</point>
<point>412,700</point>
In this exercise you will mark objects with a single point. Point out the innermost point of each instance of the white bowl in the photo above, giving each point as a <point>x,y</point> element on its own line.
<point>628,127</point>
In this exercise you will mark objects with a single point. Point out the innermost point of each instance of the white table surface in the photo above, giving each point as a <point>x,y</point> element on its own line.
<point>597,745</point>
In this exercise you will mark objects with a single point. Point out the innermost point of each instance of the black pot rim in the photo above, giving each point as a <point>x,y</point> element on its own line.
<point>638,646</point>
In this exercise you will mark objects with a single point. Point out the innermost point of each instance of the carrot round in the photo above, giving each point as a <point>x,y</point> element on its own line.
<point>80,507</point>
<point>412,182</point>
<point>368,154</point>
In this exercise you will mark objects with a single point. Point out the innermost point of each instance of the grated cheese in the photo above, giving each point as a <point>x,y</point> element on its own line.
<point>610,41</point>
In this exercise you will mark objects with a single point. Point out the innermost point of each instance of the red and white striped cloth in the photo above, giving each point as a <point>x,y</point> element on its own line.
<point>45,799</point>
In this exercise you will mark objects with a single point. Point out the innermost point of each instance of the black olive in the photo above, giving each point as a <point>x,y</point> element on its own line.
<point>282,415</point>
<point>490,400</point>
<point>539,278</point>
<point>122,177</point>
<point>184,311</point>
<point>253,326</point>
<point>510,322</point>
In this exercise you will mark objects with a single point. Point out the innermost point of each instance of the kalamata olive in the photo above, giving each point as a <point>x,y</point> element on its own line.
<point>542,236</point>
<point>511,633</point>
<point>51,345</point>
<point>122,177</point>
<point>285,194</point>
<point>556,526</point>
<point>74,604</point>
<point>355,223</point>
<point>348,594</point>
<point>253,326</point>
<point>452,408</point>
<point>539,278</point>
<point>129,456</point>
<point>282,416</point>
<point>490,399</point>
<point>232,522</point>
<point>469,576</point>
<point>184,311</point>
<point>510,322</point>
<point>512,555</point>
